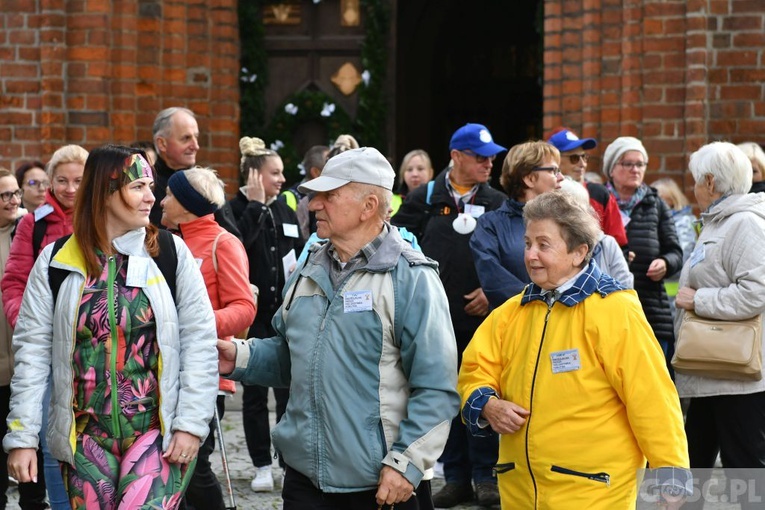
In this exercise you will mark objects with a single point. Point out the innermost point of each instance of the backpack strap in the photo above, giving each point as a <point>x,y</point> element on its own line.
<point>56,275</point>
<point>38,234</point>
<point>429,196</point>
<point>215,252</point>
<point>167,260</point>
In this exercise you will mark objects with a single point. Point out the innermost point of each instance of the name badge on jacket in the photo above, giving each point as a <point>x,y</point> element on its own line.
<point>290,230</point>
<point>357,301</point>
<point>565,361</point>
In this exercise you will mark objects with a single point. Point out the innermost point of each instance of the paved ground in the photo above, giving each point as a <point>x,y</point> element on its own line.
<point>241,471</point>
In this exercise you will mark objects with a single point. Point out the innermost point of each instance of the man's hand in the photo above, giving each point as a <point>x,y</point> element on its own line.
<point>478,305</point>
<point>183,448</point>
<point>657,270</point>
<point>504,417</point>
<point>226,357</point>
<point>22,464</point>
<point>392,487</point>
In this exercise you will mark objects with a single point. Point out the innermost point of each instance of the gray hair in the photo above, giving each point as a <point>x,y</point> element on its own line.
<point>726,163</point>
<point>162,122</point>
<point>755,154</point>
<point>577,225</point>
<point>206,182</point>
<point>383,195</point>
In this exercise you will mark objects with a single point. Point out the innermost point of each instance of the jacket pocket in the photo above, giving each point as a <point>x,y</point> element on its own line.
<point>503,468</point>
<point>597,477</point>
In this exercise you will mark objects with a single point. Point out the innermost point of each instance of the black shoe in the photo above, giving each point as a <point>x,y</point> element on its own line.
<point>487,493</point>
<point>452,495</point>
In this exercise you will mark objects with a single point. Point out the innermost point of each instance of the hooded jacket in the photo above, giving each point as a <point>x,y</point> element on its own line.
<point>21,259</point>
<point>596,414</point>
<point>43,338</point>
<point>367,387</point>
<point>229,287</point>
<point>497,245</point>
<point>727,272</point>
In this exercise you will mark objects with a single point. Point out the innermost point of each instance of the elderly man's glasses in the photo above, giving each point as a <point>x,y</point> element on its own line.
<point>575,158</point>
<point>34,183</point>
<point>7,195</point>
<point>554,169</point>
<point>478,158</point>
<point>631,164</point>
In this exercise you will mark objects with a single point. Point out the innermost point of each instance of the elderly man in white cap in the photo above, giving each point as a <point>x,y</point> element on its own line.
<point>365,344</point>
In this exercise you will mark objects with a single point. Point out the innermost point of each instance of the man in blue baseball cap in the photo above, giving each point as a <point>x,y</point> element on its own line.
<point>573,164</point>
<point>443,215</point>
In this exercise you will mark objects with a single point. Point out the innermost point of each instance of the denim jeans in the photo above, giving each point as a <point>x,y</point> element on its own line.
<point>57,495</point>
<point>468,458</point>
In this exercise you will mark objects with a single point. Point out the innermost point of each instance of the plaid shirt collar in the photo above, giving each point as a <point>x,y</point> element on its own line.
<point>583,285</point>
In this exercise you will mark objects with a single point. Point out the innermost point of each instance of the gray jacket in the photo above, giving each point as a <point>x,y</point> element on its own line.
<point>729,279</point>
<point>188,377</point>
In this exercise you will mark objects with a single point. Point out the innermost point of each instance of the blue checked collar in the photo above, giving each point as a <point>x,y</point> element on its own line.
<point>585,284</point>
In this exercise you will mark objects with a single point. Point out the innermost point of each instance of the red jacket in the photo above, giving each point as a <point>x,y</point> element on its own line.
<point>610,217</point>
<point>21,259</point>
<point>229,288</point>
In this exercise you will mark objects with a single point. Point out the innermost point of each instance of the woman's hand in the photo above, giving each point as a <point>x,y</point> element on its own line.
<point>657,270</point>
<point>183,448</point>
<point>504,417</point>
<point>684,298</point>
<point>255,189</point>
<point>22,464</point>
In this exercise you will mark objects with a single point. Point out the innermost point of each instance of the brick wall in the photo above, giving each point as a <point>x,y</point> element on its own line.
<point>674,73</point>
<point>96,71</point>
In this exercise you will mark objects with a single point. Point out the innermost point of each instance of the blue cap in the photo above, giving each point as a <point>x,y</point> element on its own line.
<point>475,138</point>
<point>566,140</point>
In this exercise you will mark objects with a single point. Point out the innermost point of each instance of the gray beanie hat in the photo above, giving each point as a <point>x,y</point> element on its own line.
<point>618,147</point>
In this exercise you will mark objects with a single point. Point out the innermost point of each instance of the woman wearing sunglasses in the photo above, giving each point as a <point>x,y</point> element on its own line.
<point>654,249</point>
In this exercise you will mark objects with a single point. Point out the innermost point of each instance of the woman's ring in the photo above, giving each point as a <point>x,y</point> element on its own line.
<point>184,455</point>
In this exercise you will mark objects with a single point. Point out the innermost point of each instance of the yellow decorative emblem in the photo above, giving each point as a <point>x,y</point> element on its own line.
<point>346,79</point>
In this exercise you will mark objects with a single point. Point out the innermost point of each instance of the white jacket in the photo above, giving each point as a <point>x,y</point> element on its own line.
<point>188,375</point>
<point>727,272</point>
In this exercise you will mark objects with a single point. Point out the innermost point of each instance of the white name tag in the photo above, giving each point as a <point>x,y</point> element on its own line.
<point>290,230</point>
<point>474,210</point>
<point>357,301</point>
<point>137,272</point>
<point>565,361</point>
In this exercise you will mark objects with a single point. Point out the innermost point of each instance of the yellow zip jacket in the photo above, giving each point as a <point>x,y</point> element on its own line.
<point>590,371</point>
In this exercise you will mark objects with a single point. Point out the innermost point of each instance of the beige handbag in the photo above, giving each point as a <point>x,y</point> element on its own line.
<point>719,349</point>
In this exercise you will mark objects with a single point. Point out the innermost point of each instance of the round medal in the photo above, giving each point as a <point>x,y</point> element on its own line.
<point>464,223</point>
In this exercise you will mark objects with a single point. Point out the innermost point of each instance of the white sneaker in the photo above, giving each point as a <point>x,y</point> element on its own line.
<point>263,481</point>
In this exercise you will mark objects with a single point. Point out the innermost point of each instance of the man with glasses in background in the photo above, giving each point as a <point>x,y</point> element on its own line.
<point>443,214</point>
<point>573,164</point>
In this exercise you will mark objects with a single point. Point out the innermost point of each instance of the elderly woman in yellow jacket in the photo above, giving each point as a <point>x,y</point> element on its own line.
<point>570,374</point>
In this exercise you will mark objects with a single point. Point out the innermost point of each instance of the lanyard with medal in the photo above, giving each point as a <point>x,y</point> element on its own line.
<point>464,223</point>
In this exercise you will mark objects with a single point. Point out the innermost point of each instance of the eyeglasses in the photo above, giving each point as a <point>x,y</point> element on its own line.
<point>6,196</point>
<point>554,169</point>
<point>34,183</point>
<point>575,158</point>
<point>478,158</point>
<point>629,166</point>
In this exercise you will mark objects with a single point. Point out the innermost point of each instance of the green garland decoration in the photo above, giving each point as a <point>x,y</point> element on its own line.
<point>372,111</point>
<point>369,126</point>
<point>298,109</point>
<point>253,74</point>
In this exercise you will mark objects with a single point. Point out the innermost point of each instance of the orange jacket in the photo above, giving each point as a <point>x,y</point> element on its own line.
<point>229,288</point>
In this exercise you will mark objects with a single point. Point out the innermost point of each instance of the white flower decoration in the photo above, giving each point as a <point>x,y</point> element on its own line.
<point>253,77</point>
<point>244,70</point>
<point>278,144</point>
<point>317,1</point>
<point>328,109</point>
<point>291,108</point>
<point>365,77</point>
